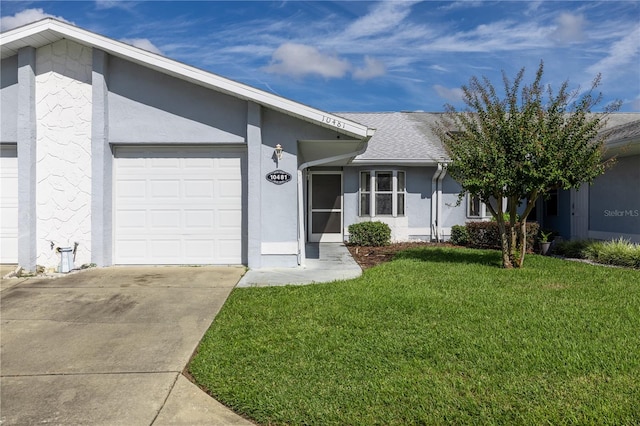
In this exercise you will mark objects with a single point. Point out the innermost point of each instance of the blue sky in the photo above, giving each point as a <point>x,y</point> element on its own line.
<point>373,56</point>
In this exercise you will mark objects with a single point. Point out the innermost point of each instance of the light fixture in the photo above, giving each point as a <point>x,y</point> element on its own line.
<point>278,151</point>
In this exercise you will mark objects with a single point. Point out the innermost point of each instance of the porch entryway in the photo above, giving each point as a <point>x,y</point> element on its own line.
<point>325,262</point>
<point>325,207</point>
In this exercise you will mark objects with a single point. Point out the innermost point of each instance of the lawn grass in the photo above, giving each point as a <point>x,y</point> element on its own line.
<point>438,336</point>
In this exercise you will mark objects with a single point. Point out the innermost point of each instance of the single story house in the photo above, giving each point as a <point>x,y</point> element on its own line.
<point>133,158</point>
<point>610,207</point>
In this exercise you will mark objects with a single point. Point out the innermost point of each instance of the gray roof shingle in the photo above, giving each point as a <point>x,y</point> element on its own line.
<point>400,136</point>
<point>403,137</point>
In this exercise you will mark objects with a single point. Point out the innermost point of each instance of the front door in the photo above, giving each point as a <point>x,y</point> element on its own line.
<point>325,207</point>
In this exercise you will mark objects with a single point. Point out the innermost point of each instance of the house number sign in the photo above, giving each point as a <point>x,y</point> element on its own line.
<point>278,177</point>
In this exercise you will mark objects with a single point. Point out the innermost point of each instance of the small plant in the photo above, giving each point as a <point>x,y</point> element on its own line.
<point>369,234</point>
<point>544,236</point>
<point>459,235</point>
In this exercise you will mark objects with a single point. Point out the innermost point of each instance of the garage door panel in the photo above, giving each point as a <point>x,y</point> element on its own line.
<point>165,249</point>
<point>131,219</point>
<point>199,220</point>
<point>230,220</point>
<point>229,188</point>
<point>8,204</point>
<point>165,220</point>
<point>164,189</point>
<point>199,250</point>
<point>199,189</point>
<point>226,248</point>
<point>135,250</point>
<point>199,163</point>
<point>186,207</point>
<point>131,188</point>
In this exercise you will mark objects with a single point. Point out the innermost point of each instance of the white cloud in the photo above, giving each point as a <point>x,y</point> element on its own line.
<point>25,17</point>
<point>383,18</point>
<point>569,29</point>
<point>142,43</point>
<point>109,4</point>
<point>622,52</point>
<point>450,95</point>
<point>372,68</point>
<point>299,60</point>
<point>438,68</point>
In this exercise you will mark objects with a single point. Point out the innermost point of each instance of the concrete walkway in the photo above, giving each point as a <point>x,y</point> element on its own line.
<point>107,346</point>
<point>325,262</point>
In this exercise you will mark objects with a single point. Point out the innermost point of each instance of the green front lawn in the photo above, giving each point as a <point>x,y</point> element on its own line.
<point>438,336</point>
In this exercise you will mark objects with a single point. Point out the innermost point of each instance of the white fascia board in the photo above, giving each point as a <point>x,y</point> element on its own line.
<point>192,74</point>
<point>399,162</point>
<point>25,31</point>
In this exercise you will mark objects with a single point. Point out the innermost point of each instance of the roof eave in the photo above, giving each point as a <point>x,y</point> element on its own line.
<point>399,161</point>
<point>189,73</point>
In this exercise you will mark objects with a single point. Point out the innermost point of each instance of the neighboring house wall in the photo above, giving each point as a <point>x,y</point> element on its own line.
<point>63,153</point>
<point>9,99</point>
<point>615,213</point>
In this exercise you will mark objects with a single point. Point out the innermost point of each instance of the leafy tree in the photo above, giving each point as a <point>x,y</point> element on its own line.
<point>513,149</point>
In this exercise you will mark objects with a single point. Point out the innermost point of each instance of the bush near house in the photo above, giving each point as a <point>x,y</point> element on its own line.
<point>459,235</point>
<point>618,252</point>
<point>369,234</point>
<point>487,235</point>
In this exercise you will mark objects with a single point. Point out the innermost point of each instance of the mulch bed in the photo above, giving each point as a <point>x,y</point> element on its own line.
<point>368,257</point>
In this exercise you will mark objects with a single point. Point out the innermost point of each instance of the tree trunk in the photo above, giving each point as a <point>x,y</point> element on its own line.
<point>505,243</point>
<point>522,236</point>
<point>504,240</point>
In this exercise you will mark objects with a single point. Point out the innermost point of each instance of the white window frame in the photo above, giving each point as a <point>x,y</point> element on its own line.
<point>373,174</point>
<point>483,208</point>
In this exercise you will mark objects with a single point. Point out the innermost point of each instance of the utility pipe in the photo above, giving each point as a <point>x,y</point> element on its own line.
<point>439,203</point>
<point>434,202</point>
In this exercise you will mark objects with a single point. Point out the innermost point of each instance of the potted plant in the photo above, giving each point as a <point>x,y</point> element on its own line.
<point>545,244</point>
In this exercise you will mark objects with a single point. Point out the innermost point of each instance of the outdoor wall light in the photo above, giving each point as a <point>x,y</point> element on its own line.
<point>278,151</point>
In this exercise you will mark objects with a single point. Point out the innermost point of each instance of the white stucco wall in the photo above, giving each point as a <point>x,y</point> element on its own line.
<point>63,169</point>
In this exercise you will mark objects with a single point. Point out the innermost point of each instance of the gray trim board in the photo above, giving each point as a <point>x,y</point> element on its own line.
<point>254,182</point>
<point>101,165</point>
<point>26,142</point>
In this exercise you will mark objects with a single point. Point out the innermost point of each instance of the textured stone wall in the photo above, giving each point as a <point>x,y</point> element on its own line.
<point>63,155</point>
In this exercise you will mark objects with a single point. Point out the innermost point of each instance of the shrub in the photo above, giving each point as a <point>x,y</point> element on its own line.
<point>459,235</point>
<point>574,249</point>
<point>618,252</point>
<point>487,235</point>
<point>369,234</point>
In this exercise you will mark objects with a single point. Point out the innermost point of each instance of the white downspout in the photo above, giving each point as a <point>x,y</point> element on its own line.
<point>434,203</point>
<point>301,249</point>
<point>301,168</point>
<point>439,202</point>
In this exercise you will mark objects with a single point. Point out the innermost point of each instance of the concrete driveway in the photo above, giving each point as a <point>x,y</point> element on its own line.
<point>108,345</point>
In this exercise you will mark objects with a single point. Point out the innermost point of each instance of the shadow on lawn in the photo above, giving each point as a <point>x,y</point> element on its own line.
<point>490,258</point>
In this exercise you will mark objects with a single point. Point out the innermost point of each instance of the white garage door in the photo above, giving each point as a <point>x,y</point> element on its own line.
<point>177,206</point>
<point>8,204</point>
